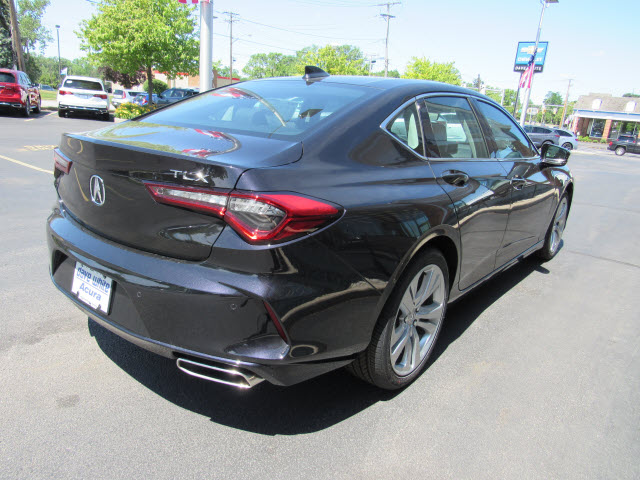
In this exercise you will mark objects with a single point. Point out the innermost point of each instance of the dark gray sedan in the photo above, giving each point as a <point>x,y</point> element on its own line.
<point>173,95</point>
<point>542,135</point>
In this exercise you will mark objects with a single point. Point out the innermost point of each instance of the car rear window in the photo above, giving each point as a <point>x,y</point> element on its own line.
<point>6,77</point>
<point>264,108</point>
<point>82,84</point>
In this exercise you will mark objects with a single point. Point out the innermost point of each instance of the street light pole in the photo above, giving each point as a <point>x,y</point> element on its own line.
<point>59,66</point>
<point>527,92</point>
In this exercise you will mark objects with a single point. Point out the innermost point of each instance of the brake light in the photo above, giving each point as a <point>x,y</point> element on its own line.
<point>61,163</point>
<point>101,95</point>
<point>610,143</point>
<point>64,92</point>
<point>258,217</point>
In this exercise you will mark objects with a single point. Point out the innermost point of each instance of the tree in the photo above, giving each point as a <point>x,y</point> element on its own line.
<point>7,55</point>
<point>553,98</point>
<point>158,86</point>
<point>265,65</point>
<point>124,79</point>
<point>424,69</point>
<point>390,74</point>
<point>631,95</point>
<point>32,33</point>
<point>335,60</point>
<point>129,36</point>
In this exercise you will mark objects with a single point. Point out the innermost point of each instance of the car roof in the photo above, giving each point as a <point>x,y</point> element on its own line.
<point>77,77</point>
<point>9,70</point>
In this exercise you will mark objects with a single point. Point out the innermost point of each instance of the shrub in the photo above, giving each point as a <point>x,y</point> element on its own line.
<point>158,86</point>
<point>131,110</point>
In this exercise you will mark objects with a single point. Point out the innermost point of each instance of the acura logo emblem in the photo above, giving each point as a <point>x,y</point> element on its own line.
<point>97,190</point>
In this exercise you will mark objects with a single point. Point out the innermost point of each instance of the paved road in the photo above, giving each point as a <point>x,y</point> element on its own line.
<point>536,374</point>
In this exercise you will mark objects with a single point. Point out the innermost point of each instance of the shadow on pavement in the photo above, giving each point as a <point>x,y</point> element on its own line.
<point>304,408</point>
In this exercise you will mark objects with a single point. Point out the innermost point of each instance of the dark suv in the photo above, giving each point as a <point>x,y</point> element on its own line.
<point>624,144</point>
<point>173,95</point>
<point>542,135</point>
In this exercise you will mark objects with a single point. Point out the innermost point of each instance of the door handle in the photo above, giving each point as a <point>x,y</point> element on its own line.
<point>455,177</point>
<point>518,182</point>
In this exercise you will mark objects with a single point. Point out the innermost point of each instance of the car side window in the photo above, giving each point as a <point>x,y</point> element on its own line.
<point>405,126</point>
<point>508,140</point>
<point>452,130</point>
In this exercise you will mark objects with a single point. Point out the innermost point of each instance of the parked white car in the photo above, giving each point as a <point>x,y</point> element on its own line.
<point>123,96</point>
<point>83,94</point>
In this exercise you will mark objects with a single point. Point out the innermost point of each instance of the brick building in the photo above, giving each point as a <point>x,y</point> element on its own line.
<point>601,115</point>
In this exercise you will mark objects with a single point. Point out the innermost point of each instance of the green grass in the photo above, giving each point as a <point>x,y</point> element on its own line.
<point>48,95</point>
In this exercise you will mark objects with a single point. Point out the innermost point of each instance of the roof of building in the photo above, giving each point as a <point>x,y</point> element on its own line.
<point>608,103</point>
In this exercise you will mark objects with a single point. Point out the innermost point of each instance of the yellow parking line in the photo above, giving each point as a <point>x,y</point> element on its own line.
<point>26,164</point>
<point>30,120</point>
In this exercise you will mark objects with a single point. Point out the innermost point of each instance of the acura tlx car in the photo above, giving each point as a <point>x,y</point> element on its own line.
<point>279,229</point>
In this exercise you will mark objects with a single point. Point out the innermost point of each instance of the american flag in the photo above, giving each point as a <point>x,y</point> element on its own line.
<point>527,74</point>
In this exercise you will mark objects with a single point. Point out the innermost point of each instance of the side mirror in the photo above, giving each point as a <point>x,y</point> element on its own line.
<point>554,155</point>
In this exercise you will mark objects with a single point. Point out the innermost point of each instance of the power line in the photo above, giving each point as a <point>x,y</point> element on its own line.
<point>304,33</point>
<point>387,16</point>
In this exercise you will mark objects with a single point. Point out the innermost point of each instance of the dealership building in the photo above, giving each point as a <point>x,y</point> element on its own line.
<point>600,115</point>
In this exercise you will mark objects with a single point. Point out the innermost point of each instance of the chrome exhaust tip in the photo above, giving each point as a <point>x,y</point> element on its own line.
<point>219,373</point>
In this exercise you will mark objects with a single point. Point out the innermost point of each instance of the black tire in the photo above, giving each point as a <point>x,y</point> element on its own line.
<point>61,113</point>
<point>38,107</point>
<point>26,111</point>
<point>376,364</point>
<point>553,237</point>
<point>567,145</point>
<point>106,117</point>
<point>620,151</point>
<point>546,143</point>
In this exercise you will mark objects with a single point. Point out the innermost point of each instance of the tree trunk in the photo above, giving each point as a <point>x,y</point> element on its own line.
<point>150,84</point>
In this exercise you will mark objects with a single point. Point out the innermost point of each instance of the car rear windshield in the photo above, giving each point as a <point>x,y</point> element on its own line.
<point>265,108</point>
<point>6,77</point>
<point>82,84</point>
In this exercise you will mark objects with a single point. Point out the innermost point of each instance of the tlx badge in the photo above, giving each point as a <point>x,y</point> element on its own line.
<point>196,176</point>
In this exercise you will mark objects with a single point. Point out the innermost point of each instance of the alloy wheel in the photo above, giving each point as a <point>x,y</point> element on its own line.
<point>559,223</point>
<point>417,320</point>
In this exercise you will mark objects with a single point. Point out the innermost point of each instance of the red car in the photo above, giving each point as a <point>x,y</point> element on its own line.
<point>17,91</point>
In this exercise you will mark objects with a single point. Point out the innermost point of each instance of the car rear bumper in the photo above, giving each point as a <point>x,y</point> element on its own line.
<point>81,108</point>
<point>11,104</point>
<point>180,309</point>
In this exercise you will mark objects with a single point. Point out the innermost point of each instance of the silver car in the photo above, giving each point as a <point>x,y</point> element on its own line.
<point>568,139</point>
<point>542,135</point>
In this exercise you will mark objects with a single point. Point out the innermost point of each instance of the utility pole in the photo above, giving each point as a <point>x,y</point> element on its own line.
<point>232,19</point>
<point>15,35</point>
<point>206,45</point>
<point>566,101</point>
<point>387,16</point>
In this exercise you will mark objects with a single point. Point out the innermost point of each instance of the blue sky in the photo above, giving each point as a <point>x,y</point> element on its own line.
<point>594,42</point>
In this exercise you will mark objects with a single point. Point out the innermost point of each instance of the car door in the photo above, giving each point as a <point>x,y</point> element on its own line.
<point>476,183</point>
<point>532,186</point>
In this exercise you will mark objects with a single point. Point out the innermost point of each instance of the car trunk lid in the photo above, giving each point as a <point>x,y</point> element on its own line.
<point>127,155</point>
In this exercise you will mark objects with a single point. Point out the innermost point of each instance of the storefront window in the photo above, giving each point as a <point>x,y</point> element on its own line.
<point>597,127</point>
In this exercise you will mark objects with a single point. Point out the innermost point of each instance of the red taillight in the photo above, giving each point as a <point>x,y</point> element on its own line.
<point>257,217</point>
<point>101,95</point>
<point>11,89</point>
<point>61,162</point>
<point>610,143</point>
<point>64,92</point>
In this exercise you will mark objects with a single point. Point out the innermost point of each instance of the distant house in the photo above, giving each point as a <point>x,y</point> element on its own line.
<point>601,115</point>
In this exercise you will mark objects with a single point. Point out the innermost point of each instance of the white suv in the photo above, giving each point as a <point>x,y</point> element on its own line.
<point>123,96</point>
<point>83,94</point>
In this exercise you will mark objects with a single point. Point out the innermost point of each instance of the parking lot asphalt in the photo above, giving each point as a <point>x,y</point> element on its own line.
<point>536,373</point>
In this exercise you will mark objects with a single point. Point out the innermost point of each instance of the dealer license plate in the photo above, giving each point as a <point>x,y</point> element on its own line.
<point>91,287</point>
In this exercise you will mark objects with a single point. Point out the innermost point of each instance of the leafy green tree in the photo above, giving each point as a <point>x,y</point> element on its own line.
<point>7,55</point>
<point>335,60</point>
<point>158,86</point>
<point>631,95</point>
<point>265,65</point>
<point>421,68</point>
<point>132,35</point>
<point>553,98</point>
<point>390,74</point>
<point>33,34</point>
